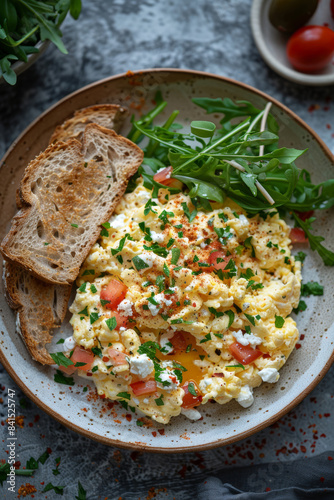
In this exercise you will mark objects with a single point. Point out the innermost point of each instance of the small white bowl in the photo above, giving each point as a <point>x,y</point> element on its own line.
<point>20,66</point>
<point>272,44</point>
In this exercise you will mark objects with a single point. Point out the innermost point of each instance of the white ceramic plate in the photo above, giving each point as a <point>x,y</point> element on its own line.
<point>272,44</point>
<point>221,424</point>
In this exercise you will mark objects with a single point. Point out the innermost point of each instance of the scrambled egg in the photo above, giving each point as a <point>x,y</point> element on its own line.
<point>160,250</point>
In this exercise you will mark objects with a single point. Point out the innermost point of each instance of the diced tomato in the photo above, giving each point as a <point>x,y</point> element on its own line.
<point>179,342</point>
<point>118,358</point>
<point>217,256</point>
<point>305,215</point>
<point>244,353</point>
<point>69,370</point>
<point>143,387</point>
<point>189,400</point>
<point>80,355</point>
<point>297,235</point>
<point>122,321</point>
<point>164,177</point>
<point>114,293</point>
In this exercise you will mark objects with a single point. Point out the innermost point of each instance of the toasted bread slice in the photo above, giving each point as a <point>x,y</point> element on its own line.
<point>30,296</point>
<point>110,116</point>
<point>40,307</point>
<point>67,192</point>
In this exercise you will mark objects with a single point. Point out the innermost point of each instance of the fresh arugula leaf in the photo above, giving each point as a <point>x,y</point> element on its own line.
<point>315,241</point>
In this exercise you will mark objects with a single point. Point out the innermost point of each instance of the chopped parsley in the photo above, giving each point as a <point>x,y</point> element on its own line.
<point>88,271</point>
<point>120,247</point>
<point>146,231</point>
<point>104,302</point>
<point>139,263</point>
<point>74,225</point>
<point>239,365</point>
<point>190,215</point>
<point>157,249</point>
<point>61,379</point>
<point>175,255</point>
<point>159,401</point>
<point>166,270</point>
<point>97,351</point>
<point>191,389</point>
<point>300,257</point>
<point>301,307</point>
<point>93,317</point>
<point>160,283</point>
<point>93,288</point>
<point>223,216</point>
<point>223,234</point>
<point>206,338</point>
<point>170,242</point>
<point>60,359</point>
<point>250,318</point>
<point>148,207</point>
<point>105,227</point>
<point>164,217</point>
<point>82,288</point>
<point>124,395</point>
<point>248,244</point>
<point>279,321</point>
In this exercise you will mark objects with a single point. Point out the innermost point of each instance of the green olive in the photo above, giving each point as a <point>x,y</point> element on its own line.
<point>289,15</point>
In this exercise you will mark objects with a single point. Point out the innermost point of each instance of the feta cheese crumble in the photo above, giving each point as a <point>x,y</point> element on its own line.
<point>192,414</point>
<point>247,338</point>
<point>69,343</point>
<point>141,365</point>
<point>245,398</point>
<point>117,221</point>
<point>125,307</point>
<point>270,375</point>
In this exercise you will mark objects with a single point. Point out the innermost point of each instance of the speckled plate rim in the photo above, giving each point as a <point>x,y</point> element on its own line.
<point>273,63</point>
<point>182,449</point>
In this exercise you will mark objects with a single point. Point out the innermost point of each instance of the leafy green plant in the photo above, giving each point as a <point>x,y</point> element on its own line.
<point>240,160</point>
<point>23,23</point>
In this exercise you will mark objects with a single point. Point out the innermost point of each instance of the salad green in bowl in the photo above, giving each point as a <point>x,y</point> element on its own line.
<point>26,29</point>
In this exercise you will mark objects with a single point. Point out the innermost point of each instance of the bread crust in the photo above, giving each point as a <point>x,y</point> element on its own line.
<point>67,202</point>
<point>106,115</point>
<point>40,308</point>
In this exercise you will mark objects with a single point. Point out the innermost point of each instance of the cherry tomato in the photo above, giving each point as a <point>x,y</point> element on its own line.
<point>219,260</point>
<point>179,342</point>
<point>143,387</point>
<point>244,353</point>
<point>164,177</point>
<point>332,8</point>
<point>311,48</point>
<point>114,293</point>
<point>189,400</point>
<point>80,355</point>
<point>297,235</point>
<point>305,215</point>
<point>118,358</point>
